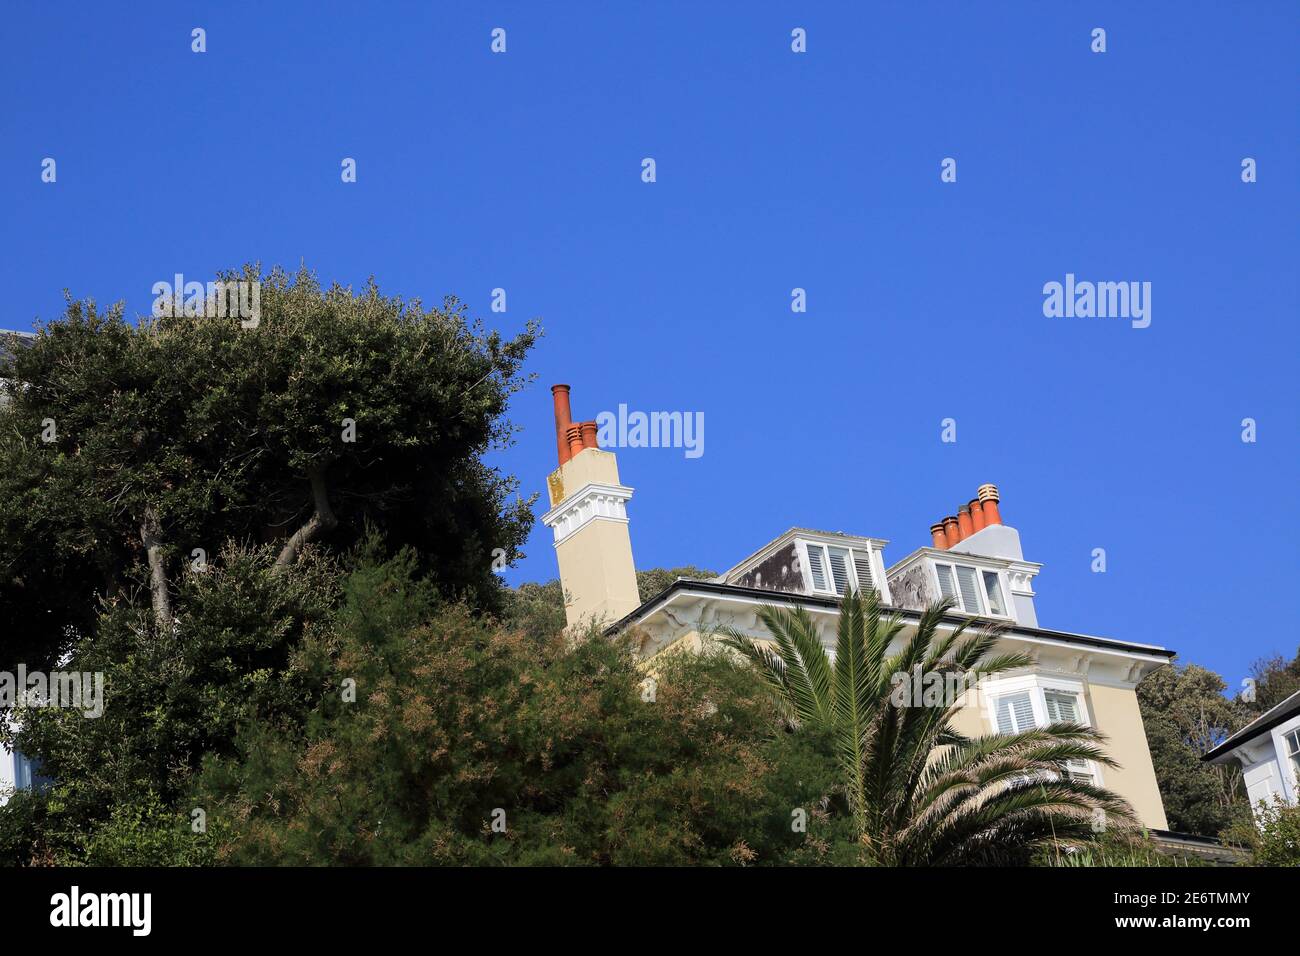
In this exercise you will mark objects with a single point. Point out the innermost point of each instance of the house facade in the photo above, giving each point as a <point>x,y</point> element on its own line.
<point>1268,751</point>
<point>973,559</point>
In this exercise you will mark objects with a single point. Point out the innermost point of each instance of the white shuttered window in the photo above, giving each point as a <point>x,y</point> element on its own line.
<point>974,590</point>
<point>834,569</point>
<point>1015,713</point>
<point>1023,710</point>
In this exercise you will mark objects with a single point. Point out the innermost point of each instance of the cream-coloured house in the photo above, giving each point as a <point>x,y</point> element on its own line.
<point>973,558</point>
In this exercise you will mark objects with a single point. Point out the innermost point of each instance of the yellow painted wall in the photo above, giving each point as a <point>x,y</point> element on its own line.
<point>597,574</point>
<point>1115,711</point>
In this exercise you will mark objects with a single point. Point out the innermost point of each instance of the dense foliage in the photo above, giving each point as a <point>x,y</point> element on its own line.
<point>126,448</point>
<point>471,742</point>
<point>1186,715</point>
<point>1271,836</point>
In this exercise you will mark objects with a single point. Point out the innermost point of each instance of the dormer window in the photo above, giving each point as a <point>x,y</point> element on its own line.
<point>975,590</point>
<point>833,569</point>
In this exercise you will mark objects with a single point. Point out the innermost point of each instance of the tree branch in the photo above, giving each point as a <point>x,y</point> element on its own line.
<point>151,538</point>
<point>321,521</point>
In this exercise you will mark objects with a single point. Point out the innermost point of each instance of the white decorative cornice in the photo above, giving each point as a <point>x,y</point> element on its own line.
<point>591,502</point>
<point>1020,575</point>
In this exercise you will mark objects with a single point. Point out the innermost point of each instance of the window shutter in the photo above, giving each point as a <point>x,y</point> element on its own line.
<point>1062,708</point>
<point>862,565</point>
<point>815,566</point>
<point>840,569</point>
<point>970,595</point>
<point>946,587</point>
<point>1015,714</point>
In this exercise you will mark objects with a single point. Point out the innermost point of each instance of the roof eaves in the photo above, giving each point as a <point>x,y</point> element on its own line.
<point>1284,710</point>
<point>830,603</point>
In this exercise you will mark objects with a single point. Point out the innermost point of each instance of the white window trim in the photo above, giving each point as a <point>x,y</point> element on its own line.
<point>852,570</point>
<point>1003,584</point>
<point>1037,685</point>
<point>1290,775</point>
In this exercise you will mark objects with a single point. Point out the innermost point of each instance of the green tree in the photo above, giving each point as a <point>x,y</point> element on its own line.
<point>173,694</point>
<point>1276,679</point>
<point>1186,715</point>
<point>127,447</point>
<point>653,580</point>
<point>920,792</point>
<point>178,500</point>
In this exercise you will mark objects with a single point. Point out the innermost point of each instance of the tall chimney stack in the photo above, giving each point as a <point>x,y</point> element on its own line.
<point>588,517</point>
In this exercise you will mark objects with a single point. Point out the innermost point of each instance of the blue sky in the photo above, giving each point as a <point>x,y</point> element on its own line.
<point>774,171</point>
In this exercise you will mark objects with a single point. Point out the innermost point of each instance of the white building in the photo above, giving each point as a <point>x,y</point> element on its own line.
<point>1268,749</point>
<point>15,773</point>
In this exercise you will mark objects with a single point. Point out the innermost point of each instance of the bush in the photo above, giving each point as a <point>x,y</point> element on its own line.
<point>472,742</point>
<point>22,822</point>
<point>171,695</point>
<point>144,833</point>
<point>1271,837</point>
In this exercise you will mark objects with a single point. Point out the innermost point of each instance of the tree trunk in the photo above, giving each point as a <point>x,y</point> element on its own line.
<point>321,521</point>
<point>150,537</point>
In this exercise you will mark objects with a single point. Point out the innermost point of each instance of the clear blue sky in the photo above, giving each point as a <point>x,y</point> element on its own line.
<point>775,170</point>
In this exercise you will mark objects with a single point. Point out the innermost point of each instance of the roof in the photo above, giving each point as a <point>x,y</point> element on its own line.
<point>832,603</point>
<point>790,535</point>
<point>1260,725</point>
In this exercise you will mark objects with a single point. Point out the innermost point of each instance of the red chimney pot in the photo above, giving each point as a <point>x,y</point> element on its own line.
<point>964,522</point>
<point>951,529</point>
<point>989,499</point>
<point>574,436</point>
<point>563,419</point>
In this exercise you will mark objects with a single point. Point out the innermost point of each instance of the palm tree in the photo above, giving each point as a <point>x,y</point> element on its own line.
<point>920,792</point>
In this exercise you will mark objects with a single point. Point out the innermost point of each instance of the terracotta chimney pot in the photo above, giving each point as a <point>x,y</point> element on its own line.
<point>574,435</point>
<point>951,529</point>
<point>940,536</point>
<point>563,419</point>
<point>989,499</point>
<point>589,435</point>
<point>977,514</point>
<point>964,522</point>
